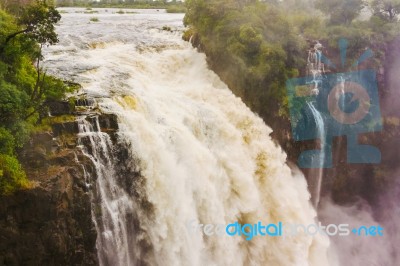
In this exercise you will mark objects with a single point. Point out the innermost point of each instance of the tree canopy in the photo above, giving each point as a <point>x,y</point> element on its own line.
<point>341,11</point>
<point>25,89</point>
<point>386,9</point>
<point>256,46</point>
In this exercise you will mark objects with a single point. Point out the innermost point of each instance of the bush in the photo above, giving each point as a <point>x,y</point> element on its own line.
<point>25,89</point>
<point>12,176</point>
<point>7,142</point>
<point>176,9</point>
<point>255,46</point>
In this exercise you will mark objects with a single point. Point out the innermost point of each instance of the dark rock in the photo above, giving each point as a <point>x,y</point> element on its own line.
<point>87,102</point>
<point>65,128</point>
<point>108,122</point>
<point>50,224</point>
<point>36,157</point>
<point>59,108</point>
<point>43,137</point>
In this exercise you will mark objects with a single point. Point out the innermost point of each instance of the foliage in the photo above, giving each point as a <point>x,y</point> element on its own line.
<point>7,141</point>
<point>256,46</point>
<point>12,176</point>
<point>386,9</point>
<point>38,21</point>
<point>25,88</point>
<point>341,11</point>
<point>253,45</point>
<point>176,9</point>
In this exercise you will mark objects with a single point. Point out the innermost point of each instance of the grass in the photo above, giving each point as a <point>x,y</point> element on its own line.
<point>176,9</point>
<point>47,122</point>
<point>94,19</point>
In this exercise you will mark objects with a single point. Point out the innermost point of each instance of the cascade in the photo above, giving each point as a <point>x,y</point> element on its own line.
<point>186,150</point>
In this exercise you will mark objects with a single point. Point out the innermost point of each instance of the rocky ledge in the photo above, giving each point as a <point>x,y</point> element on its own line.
<point>51,223</point>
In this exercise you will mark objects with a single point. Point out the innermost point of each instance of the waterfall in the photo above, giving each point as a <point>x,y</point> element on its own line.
<point>320,127</point>
<point>110,202</point>
<point>316,69</point>
<point>186,150</point>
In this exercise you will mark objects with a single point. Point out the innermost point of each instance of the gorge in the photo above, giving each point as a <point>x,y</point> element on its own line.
<point>157,139</point>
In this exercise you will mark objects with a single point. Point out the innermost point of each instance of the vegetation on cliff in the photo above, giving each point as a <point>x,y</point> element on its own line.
<point>25,89</point>
<point>255,46</point>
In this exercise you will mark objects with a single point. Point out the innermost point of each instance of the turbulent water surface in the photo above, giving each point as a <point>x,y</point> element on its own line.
<point>187,149</point>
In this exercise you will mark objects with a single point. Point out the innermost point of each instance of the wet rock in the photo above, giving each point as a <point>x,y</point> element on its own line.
<point>43,137</point>
<point>50,224</point>
<point>59,108</point>
<point>108,122</point>
<point>86,102</point>
<point>65,128</point>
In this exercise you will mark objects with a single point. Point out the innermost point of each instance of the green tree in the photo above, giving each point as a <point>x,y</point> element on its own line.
<point>386,9</point>
<point>12,176</point>
<point>341,11</point>
<point>37,22</point>
<point>252,45</point>
<point>37,28</point>
<point>25,89</point>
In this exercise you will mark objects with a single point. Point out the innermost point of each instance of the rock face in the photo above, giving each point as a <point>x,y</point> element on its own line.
<point>51,223</point>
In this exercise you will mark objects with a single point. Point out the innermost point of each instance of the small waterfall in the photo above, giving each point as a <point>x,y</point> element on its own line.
<point>316,69</point>
<point>319,123</point>
<point>112,208</point>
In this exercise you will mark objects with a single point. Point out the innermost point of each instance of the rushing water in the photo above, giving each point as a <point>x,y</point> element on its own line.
<point>315,69</point>
<point>320,126</point>
<point>187,149</point>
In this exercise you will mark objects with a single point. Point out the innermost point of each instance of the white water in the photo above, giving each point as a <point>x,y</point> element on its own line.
<point>319,122</point>
<point>113,205</point>
<point>315,68</point>
<point>194,150</point>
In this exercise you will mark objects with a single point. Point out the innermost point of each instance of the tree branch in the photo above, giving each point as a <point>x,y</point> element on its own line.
<point>35,90</point>
<point>10,37</point>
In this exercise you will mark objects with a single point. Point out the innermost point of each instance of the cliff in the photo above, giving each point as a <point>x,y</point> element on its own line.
<point>51,223</point>
<point>345,183</point>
